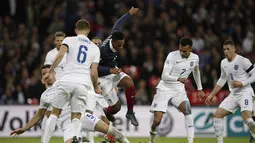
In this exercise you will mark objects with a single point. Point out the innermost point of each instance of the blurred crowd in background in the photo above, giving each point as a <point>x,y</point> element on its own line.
<point>27,32</point>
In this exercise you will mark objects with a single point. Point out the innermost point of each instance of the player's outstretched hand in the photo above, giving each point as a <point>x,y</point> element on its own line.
<point>201,94</point>
<point>115,71</point>
<point>133,10</point>
<point>17,132</point>
<point>209,99</point>
<point>237,84</point>
<point>182,80</point>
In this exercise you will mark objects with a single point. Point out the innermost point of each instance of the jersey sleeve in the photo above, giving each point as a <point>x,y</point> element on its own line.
<point>97,56</point>
<point>66,42</point>
<point>167,69</point>
<point>197,77</point>
<point>223,77</point>
<point>247,65</point>
<point>48,60</point>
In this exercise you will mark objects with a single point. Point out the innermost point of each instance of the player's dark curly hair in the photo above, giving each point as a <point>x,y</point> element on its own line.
<point>117,36</point>
<point>186,41</point>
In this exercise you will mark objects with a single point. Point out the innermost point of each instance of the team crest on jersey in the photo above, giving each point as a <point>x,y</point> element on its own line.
<point>236,67</point>
<point>191,64</point>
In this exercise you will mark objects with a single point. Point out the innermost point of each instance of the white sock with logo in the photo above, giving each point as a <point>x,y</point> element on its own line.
<point>45,118</point>
<point>218,127</point>
<point>189,125</point>
<point>49,128</point>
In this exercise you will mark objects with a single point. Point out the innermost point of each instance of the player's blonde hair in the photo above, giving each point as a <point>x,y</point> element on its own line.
<point>59,34</point>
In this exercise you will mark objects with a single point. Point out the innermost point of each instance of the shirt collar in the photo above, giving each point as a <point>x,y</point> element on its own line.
<point>81,35</point>
<point>111,47</point>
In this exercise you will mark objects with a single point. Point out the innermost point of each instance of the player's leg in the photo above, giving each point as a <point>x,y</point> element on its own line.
<point>114,104</point>
<point>158,107</point>
<point>58,102</point>
<point>78,105</point>
<point>45,99</point>
<point>181,101</point>
<point>51,124</point>
<point>130,92</point>
<point>45,118</point>
<point>228,106</point>
<point>251,140</point>
<point>246,105</point>
<point>92,123</point>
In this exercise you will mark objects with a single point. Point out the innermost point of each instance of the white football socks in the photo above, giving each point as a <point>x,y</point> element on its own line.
<point>218,127</point>
<point>189,125</point>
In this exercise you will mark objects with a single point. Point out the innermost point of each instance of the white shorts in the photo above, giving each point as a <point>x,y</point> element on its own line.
<point>74,93</point>
<point>96,102</point>
<point>108,84</point>
<point>161,99</point>
<point>88,122</point>
<point>46,98</point>
<point>242,100</point>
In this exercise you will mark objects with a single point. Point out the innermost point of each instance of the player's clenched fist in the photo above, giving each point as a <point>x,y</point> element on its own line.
<point>133,10</point>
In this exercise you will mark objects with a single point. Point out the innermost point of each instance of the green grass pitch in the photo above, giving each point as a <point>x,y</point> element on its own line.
<point>132,140</point>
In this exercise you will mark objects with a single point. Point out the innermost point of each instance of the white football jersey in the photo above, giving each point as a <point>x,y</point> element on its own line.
<point>81,54</point>
<point>177,67</point>
<point>50,59</point>
<point>235,70</point>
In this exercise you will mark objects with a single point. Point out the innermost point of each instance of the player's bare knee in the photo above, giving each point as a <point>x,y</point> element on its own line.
<point>246,114</point>
<point>56,111</point>
<point>76,115</point>
<point>218,114</point>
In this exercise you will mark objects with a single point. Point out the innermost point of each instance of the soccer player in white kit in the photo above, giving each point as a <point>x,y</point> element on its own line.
<point>49,59</point>
<point>75,84</point>
<point>239,73</point>
<point>89,122</point>
<point>178,65</point>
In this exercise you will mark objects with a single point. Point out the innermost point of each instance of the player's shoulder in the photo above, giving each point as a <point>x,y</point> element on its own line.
<point>52,51</point>
<point>240,57</point>
<point>173,53</point>
<point>194,56</point>
<point>70,39</point>
<point>106,41</point>
<point>224,62</point>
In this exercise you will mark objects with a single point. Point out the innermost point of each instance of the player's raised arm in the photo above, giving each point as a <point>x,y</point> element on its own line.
<point>120,21</point>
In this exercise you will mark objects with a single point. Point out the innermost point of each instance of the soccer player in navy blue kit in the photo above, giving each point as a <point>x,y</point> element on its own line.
<point>110,76</point>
